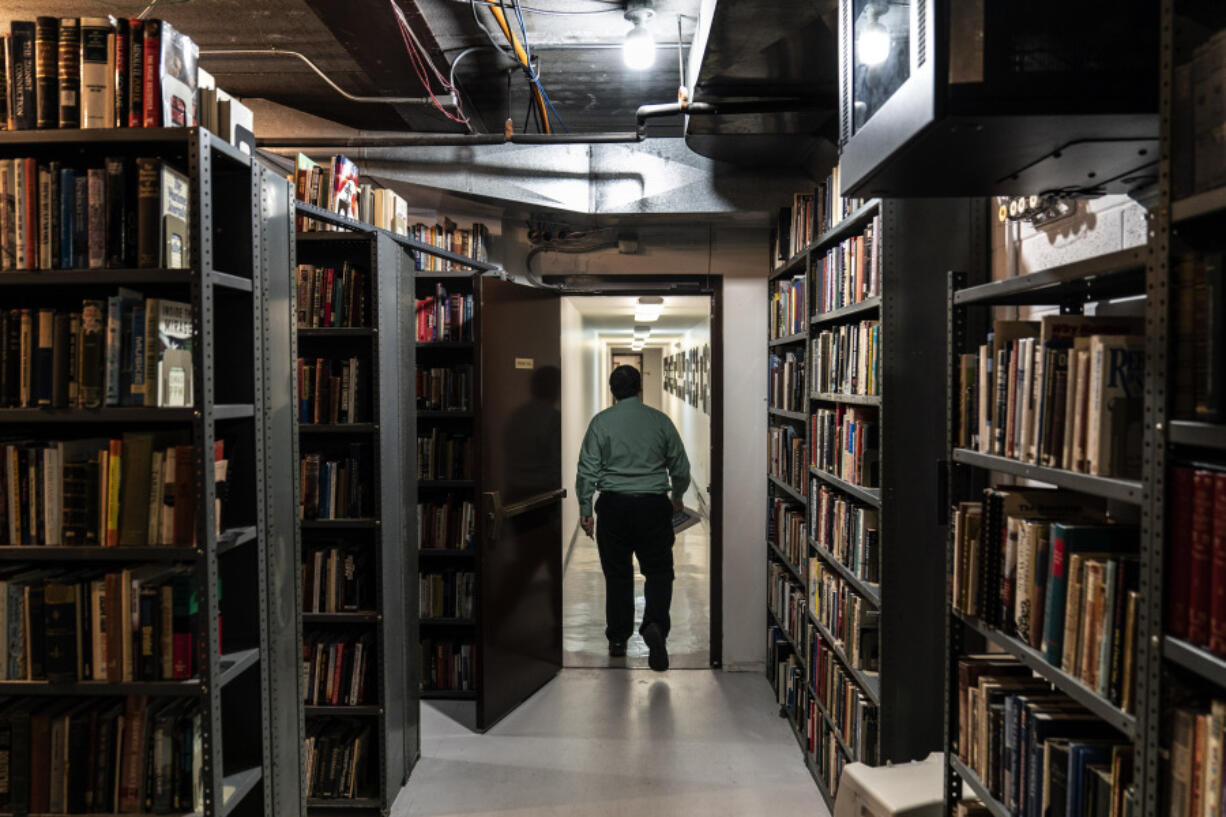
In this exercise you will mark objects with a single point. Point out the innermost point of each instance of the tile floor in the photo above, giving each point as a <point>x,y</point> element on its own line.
<point>601,743</point>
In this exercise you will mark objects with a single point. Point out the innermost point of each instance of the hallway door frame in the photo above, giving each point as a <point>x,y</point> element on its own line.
<point>711,286</point>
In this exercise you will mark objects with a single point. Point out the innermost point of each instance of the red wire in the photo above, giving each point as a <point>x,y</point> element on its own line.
<point>419,67</point>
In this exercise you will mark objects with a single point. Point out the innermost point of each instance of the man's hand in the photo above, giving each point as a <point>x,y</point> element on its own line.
<point>588,524</point>
<point>678,507</point>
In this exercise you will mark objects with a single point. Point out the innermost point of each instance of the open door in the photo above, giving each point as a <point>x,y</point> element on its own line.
<point>520,616</point>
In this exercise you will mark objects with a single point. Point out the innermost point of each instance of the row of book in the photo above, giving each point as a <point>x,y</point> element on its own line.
<point>789,307</point>
<point>109,755</point>
<point>333,391</point>
<point>1063,392</point>
<point>471,243</point>
<point>787,530</point>
<point>828,755</point>
<point>852,714</point>
<point>444,317</point>
<point>126,213</point>
<point>122,351</point>
<point>449,594</point>
<point>846,530</point>
<point>1200,307</point>
<point>448,665</point>
<point>335,187</point>
<point>444,456</point>
<point>338,762</point>
<point>848,617</point>
<point>447,525</point>
<point>787,381</point>
<point>1195,776</point>
<point>848,273</point>
<point>1057,578</point>
<point>137,624</point>
<point>847,359</point>
<point>1196,586</point>
<point>98,72</point>
<point>1034,748</point>
<point>336,579</point>
<point>786,456</point>
<point>844,443</point>
<point>327,298</point>
<point>335,668</point>
<point>335,486</point>
<point>811,216</point>
<point>1198,112</point>
<point>788,679</point>
<point>445,389</point>
<point>135,490</point>
<point>788,601</point>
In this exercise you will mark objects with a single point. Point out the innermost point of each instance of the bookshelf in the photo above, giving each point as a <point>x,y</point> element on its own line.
<point>224,561</point>
<point>363,430</point>
<point>901,590</point>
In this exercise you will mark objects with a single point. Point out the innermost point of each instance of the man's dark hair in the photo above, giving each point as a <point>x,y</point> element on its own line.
<point>625,382</point>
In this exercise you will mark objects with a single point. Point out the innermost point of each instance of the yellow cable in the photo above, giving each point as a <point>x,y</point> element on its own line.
<point>523,59</point>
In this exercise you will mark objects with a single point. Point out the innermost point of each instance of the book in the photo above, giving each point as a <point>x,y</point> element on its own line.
<point>46,72</point>
<point>136,73</point>
<point>69,73</point>
<point>96,78</point>
<point>177,57</point>
<point>1117,366</point>
<point>163,215</point>
<point>21,70</point>
<point>343,196</point>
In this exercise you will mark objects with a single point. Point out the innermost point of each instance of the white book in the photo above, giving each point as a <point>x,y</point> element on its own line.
<point>20,227</point>
<point>97,48</point>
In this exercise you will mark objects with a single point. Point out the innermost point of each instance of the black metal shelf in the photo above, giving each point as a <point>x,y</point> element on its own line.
<point>981,791</point>
<point>444,415</point>
<point>234,538</point>
<point>163,689</point>
<point>445,345</point>
<point>449,694</point>
<point>363,803</point>
<point>849,226</point>
<point>227,281</point>
<point>1192,433</point>
<point>1069,685</point>
<point>1206,203</point>
<point>849,399</point>
<point>868,590</point>
<point>446,553</point>
<point>1124,490</point>
<point>95,277</point>
<point>1196,659</point>
<point>1113,275</point>
<point>448,623</point>
<point>338,524</point>
<point>869,682</point>
<point>869,496</point>
<point>351,617</point>
<point>446,483</point>
<point>340,429</point>
<point>335,332</point>
<point>798,416</point>
<point>236,663</point>
<point>796,572</point>
<point>95,553</point>
<point>855,310</point>
<point>342,710</point>
<point>787,340</point>
<point>110,414</point>
<point>787,489</point>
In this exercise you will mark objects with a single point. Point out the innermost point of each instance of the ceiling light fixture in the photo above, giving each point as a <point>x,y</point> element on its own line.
<point>639,50</point>
<point>642,332</point>
<point>873,44</point>
<point>648,309</point>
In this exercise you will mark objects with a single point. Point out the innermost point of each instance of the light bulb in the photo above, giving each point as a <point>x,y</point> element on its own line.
<point>873,44</point>
<point>639,50</point>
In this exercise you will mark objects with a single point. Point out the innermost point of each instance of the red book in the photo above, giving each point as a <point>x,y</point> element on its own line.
<point>136,73</point>
<point>1217,610</point>
<point>329,283</point>
<point>152,79</point>
<point>1201,567</point>
<point>337,676</point>
<point>1179,566</point>
<point>30,196</point>
<point>132,764</point>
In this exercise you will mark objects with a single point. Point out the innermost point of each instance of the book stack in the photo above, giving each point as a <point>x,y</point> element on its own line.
<point>803,229</point>
<point>1044,567</point>
<point>335,187</point>
<point>441,455</point>
<point>448,665</point>
<point>328,298</point>
<point>332,391</point>
<point>1196,587</point>
<point>787,601</point>
<point>447,525</point>
<point>846,530</point>
<point>828,755</point>
<point>336,579</point>
<point>832,207</point>
<point>335,669</point>
<point>787,531</point>
<point>79,755</point>
<point>133,491</point>
<point>443,317</point>
<point>471,243</point>
<point>842,700</point>
<point>847,616</point>
<point>788,679</point>
<point>845,444</point>
<point>1194,776</point>
<point>847,359</point>
<point>338,760</point>
<point>787,381</point>
<point>786,449</point>
<point>849,273</point>
<point>789,307</point>
<point>130,625</point>
<point>334,486</point>
<point>1063,392</point>
<point>449,594</point>
<point>445,389</point>
<point>1032,747</point>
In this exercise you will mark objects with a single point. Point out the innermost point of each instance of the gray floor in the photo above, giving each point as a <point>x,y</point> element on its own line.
<point>583,638</point>
<point>595,743</point>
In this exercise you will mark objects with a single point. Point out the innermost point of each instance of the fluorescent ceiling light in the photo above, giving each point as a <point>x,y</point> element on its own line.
<point>642,332</point>
<point>648,309</point>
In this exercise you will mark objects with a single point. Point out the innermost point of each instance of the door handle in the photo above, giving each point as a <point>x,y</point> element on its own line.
<point>496,513</point>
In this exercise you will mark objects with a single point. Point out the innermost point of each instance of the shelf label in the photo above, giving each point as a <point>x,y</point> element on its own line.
<point>524,363</point>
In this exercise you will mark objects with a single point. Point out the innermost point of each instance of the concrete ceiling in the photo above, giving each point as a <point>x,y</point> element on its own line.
<point>614,315</point>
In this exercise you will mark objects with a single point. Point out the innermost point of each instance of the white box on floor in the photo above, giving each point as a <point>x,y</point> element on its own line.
<point>904,790</point>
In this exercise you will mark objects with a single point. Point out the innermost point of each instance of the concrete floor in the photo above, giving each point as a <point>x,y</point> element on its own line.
<point>583,639</point>
<point>595,743</point>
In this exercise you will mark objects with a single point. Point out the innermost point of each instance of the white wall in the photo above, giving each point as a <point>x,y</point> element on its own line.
<point>694,426</point>
<point>580,401</point>
<point>653,377</point>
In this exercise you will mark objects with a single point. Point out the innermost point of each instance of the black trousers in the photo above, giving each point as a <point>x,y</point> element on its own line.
<point>639,525</point>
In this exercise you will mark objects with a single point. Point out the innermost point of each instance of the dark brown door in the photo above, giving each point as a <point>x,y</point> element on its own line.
<point>520,617</point>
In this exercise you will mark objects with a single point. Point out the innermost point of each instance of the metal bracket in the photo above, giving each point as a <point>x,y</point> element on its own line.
<point>496,513</point>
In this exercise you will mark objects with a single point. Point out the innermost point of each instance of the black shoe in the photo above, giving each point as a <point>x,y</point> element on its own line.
<point>657,658</point>
<point>617,649</point>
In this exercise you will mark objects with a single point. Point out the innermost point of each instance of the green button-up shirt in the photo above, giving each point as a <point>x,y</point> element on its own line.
<point>631,448</point>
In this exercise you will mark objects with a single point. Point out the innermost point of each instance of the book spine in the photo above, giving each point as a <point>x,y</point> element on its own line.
<point>95,74</point>
<point>69,73</point>
<point>114,334</point>
<point>43,354</point>
<point>119,81</point>
<point>80,221</point>
<point>117,213</point>
<point>136,73</point>
<point>67,193</point>
<point>148,211</point>
<point>1217,615</point>
<point>152,102</point>
<point>24,107</point>
<point>93,344</point>
<point>1201,558</point>
<point>46,72</point>
<point>29,193</point>
<point>43,218</point>
<point>97,218</point>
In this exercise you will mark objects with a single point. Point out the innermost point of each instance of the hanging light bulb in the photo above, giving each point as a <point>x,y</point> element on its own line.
<point>639,49</point>
<point>873,43</point>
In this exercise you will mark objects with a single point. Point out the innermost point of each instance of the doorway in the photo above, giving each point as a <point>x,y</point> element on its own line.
<point>673,352</point>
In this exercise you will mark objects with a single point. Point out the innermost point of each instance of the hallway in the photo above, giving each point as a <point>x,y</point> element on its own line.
<point>595,743</point>
<point>583,621</point>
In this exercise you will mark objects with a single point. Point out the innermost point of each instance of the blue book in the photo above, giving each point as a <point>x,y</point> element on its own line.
<point>135,394</point>
<point>68,206</point>
<point>118,308</point>
<point>1080,755</point>
<point>1042,725</point>
<point>80,221</point>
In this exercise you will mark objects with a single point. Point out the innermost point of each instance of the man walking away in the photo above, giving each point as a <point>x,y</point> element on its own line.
<point>629,454</point>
